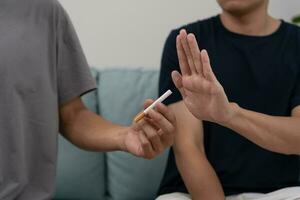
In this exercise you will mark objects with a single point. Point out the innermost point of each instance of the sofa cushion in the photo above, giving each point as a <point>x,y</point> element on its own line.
<point>131,178</point>
<point>121,96</point>
<point>80,174</point>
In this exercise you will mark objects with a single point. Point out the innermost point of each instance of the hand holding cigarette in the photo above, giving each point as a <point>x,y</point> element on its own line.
<point>142,114</point>
<point>149,137</point>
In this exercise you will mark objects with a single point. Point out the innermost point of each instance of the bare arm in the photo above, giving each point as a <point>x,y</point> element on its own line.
<point>198,175</point>
<point>82,127</point>
<point>89,131</point>
<point>278,134</point>
<point>205,98</point>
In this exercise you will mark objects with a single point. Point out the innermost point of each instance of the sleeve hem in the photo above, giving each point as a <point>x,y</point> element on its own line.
<point>295,103</point>
<point>78,93</point>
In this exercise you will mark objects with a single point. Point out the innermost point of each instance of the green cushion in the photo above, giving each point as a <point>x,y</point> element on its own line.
<point>80,173</point>
<point>121,96</point>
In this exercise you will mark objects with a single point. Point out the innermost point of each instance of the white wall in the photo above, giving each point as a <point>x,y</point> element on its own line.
<point>132,32</point>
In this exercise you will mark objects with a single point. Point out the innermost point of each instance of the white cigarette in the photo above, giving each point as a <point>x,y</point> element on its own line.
<point>152,106</point>
<point>159,100</point>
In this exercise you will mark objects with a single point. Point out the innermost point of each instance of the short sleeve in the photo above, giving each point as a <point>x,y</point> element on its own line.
<point>169,63</point>
<point>295,100</point>
<point>73,73</point>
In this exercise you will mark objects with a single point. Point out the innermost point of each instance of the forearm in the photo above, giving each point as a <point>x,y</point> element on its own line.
<point>278,134</point>
<point>91,132</point>
<point>198,175</point>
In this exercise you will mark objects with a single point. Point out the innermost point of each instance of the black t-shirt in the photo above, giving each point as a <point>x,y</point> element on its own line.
<point>261,74</point>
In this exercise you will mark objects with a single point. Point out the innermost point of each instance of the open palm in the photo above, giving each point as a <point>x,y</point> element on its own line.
<point>202,93</point>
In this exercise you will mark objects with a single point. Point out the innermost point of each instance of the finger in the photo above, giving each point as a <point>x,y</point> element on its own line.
<point>151,122</point>
<point>137,126</point>
<point>166,112</point>
<point>177,79</point>
<point>141,114</point>
<point>161,122</point>
<point>147,103</point>
<point>167,139</point>
<point>184,65</point>
<point>187,51</point>
<point>207,71</point>
<point>146,146</point>
<point>195,53</point>
<point>153,137</point>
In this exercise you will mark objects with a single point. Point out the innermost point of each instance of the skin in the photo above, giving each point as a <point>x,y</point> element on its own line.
<point>196,171</point>
<point>248,17</point>
<point>240,8</point>
<point>205,99</point>
<point>146,139</point>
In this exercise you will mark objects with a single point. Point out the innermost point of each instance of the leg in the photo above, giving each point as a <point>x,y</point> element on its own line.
<point>246,196</point>
<point>292,193</point>
<point>174,196</point>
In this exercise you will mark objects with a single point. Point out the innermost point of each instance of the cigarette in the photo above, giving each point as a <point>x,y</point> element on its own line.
<point>142,114</point>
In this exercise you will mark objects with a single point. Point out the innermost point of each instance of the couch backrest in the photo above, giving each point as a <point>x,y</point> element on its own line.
<point>121,96</point>
<point>116,175</point>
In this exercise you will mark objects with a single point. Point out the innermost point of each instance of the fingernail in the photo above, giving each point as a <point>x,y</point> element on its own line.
<point>183,31</point>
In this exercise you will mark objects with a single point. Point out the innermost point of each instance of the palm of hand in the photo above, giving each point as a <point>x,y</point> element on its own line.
<point>133,144</point>
<point>201,91</point>
<point>204,98</point>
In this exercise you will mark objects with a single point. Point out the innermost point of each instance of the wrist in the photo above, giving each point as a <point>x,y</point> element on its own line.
<point>121,139</point>
<point>233,115</point>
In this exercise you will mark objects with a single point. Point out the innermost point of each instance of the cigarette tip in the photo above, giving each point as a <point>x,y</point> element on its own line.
<point>139,117</point>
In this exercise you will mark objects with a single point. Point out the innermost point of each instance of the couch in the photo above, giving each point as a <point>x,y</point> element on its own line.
<point>86,175</point>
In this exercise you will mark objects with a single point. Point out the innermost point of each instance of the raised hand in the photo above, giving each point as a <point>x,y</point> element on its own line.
<point>152,135</point>
<point>202,93</point>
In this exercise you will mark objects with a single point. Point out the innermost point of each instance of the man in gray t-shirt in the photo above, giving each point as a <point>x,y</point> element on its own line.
<point>43,73</point>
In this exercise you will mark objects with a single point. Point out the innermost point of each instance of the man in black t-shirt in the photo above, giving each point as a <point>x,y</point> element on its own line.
<point>238,112</point>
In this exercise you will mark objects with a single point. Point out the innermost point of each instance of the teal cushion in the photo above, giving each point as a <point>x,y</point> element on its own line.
<point>131,178</point>
<point>122,92</point>
<point>80,174</point>
<point>121,96</point>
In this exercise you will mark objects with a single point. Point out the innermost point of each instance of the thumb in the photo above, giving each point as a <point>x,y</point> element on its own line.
<point>147,103</point>
<point>177,80</point>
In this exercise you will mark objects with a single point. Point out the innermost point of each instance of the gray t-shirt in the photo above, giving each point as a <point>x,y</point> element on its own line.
<point>42,66</point>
